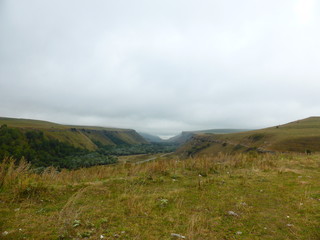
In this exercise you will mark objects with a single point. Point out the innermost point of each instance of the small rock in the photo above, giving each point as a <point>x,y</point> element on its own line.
<point>288,216</point>
<point>177,235</point>
<point>101,236</point>
<point>5,233</point>
<point>238,233</point>
<point>232,213</point>
<point>289,225</point>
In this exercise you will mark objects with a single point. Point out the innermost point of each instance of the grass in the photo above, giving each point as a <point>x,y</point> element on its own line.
<point>224,197</point>
<point>39,124</point>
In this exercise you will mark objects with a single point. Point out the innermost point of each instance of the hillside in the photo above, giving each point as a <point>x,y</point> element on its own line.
<point>186,135</point>
<point>151,138</point>
<point>85,137</point>
<point>298,136</point>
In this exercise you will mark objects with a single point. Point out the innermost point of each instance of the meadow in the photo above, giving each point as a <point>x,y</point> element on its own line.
<point>245,196</point>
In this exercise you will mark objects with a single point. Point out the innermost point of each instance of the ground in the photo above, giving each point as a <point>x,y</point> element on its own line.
<point>224,197</point>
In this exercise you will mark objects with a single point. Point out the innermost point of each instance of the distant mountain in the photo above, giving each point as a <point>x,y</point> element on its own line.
<point>151,138</point>
<point>181,138</point>
<point>186,135</point>
<point>86,137</point>
<point>298,136</point>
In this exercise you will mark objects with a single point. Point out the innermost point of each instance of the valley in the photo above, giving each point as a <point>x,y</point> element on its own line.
<point>45,144</point>
<point>258,184</point>
<point>159,120</point>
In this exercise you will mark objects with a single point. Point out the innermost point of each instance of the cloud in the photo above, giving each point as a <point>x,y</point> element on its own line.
<point>305,10</point>
<point>160,67</point>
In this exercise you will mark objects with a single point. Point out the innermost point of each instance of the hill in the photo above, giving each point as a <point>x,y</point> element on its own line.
<point>85,137</point>
<point>151,138</point>
<point>298,136</point>
<point>186,135</point>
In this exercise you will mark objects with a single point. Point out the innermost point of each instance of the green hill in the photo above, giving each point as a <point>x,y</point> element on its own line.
<point>85,137</point>
<point>298,136</point>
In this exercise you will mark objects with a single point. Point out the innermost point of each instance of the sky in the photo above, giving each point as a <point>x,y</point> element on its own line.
<point>160,66</point>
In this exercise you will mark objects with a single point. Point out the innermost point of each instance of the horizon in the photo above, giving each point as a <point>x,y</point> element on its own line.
<point>163,137</point>
<point>160,67</point>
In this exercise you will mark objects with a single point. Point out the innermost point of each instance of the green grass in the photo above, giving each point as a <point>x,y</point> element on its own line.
<point>272,196</point>
<point>29,123</point>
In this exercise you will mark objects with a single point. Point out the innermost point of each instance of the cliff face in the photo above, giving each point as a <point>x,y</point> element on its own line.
<point>86,137</point>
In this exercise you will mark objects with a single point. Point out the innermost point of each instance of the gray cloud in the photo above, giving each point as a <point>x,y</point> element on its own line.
<point>160,66</point>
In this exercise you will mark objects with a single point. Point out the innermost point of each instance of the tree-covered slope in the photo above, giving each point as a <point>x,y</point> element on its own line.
<point>42,151</point>
<point>84,137</point>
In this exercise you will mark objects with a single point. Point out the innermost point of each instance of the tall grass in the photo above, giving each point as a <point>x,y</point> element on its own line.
<point>12,174</point>
<point>18,177</point>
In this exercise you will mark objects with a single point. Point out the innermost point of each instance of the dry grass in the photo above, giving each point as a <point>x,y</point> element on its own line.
<point>19,176</point>
<point>273,196</point>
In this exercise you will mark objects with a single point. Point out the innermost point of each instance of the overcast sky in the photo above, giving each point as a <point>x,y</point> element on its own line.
<point>160,66</point>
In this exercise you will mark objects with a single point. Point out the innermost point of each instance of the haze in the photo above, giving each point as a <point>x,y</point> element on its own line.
<point>160,66</point>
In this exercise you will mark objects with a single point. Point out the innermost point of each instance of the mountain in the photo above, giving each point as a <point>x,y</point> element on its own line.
<point>186,135</point>
<point>85,137</point>
<point>151,138</point>
<point>298,136</point>
<point>181,138</point>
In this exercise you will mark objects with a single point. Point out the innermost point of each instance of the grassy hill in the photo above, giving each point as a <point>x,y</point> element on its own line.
<point>186,135</point>
<point>208,198</point>
<point>298,136</point>
<point>84,137</point>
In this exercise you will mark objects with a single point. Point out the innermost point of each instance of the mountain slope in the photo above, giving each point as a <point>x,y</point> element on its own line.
<point>150,137</point>
<point>186,135</point>
<point>85,137</point>
<point>298,136</point>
